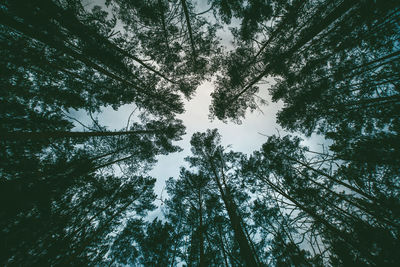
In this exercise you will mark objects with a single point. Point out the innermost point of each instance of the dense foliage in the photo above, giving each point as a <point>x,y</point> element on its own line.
<point>80,196</point>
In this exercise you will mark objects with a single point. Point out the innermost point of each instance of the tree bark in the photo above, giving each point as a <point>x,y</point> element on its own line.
<point>69,21</point>
<point>202,262</point>
<point>293,9</point>
<point>189,26</point>
<point>309,34</point>
<point>87,242</point>
<point>317,218</point>
<point>222,246</point>
<point>65,134</point>
<point>164,28</point>
<point>332,178</point>
<point>240,237</point>
<point>378,217</point>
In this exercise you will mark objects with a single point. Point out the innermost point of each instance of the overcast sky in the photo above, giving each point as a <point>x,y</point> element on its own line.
<point>246,137</point>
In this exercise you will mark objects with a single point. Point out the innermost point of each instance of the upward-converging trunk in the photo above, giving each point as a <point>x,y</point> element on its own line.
<point>307,35</point>
<point>222,246</point>
<point>56,41</point>
<point>321,220</point>
<point>163,24</point>
<point>330,177</point>
<point>189,27</point>
<point>245,250</point>
<point>66,134</point>
<point>71,22</point>
<point>202,262</point>
<point>88,240</point>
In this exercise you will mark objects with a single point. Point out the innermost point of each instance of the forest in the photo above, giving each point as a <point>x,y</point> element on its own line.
<point>82,197</point>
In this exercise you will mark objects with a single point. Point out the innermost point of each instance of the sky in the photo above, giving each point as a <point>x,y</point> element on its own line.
<point>246,137</point>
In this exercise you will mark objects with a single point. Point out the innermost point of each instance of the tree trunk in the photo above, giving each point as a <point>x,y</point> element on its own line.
<point>223,246</point>
<point>87,242</point>
<point>23,136</point>
<point>293,9</point>
<point>309,34</point>
<point>202,262</point>
<point>318,219</point>
<point>240,237</point>
<point>164,28</point>
<point>186,12</point>
<point>70,21</point>
<point>245,249</point>
<point>332,178</point>
<point>372,213</point>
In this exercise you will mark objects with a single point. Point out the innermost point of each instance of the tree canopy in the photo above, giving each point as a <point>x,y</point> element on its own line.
<point>78,193</point>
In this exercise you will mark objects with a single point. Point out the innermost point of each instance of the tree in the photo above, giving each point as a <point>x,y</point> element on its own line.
<point>83,44</point>
<point>327,57</point>
<point>65,184</point>
<point>145,243</point>
<point>81,197</point>
<point>195,216</point>
<point>208,157</point>
<point>340,212</point>
<point>183,43</point>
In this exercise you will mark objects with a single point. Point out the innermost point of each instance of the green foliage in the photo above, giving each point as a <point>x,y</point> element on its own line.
<point>81,197</point>
<point>342,209</point>
<point>62,195</point>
